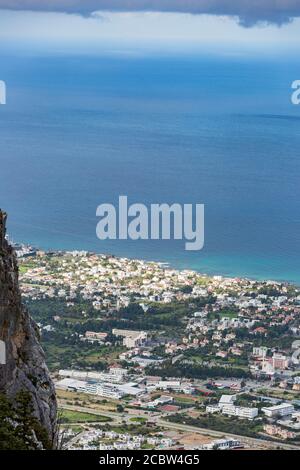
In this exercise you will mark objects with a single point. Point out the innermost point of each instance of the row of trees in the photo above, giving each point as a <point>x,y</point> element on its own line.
<point>198,372</point>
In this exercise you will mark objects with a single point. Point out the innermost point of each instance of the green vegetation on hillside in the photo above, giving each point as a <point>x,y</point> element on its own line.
<point>19,430</point>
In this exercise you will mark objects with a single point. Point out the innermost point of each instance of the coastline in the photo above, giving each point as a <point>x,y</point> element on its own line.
<point>166,265</point>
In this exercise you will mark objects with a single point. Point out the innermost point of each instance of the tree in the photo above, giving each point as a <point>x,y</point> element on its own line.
<point>19,429</point>
<point>9,438</point>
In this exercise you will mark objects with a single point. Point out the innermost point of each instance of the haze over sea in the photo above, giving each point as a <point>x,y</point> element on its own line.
<point>80,131</point>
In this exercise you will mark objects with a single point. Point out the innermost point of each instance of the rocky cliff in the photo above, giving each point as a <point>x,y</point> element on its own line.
<point>22,364</point>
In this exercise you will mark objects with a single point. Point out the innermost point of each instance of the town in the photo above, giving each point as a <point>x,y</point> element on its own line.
<point>147,356</point>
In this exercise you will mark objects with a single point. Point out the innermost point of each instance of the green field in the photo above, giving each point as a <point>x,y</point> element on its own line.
<point>138,420</point>
<point>68,416</point>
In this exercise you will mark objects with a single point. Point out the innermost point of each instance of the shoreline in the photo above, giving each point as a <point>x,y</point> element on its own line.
<point>167,265</point>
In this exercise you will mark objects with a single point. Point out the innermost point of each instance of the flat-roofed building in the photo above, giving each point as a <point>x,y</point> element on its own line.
<point>211,409</point>
<point>284,409</point>
<point>95,336</point>
<point>131,339</point>
<point>221,444</point>
<point>240,411</point>
<point>280,361</point>
<point>227,400</point>
<point>260,351</point>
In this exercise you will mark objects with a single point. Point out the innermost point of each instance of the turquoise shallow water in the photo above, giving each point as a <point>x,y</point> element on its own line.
<point>77,132</point>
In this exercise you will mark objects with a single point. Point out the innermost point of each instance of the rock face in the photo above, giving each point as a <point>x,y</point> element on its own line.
<point>22,364</point>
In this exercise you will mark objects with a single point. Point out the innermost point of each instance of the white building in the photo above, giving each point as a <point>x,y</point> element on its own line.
<point>95,336</point>
<point>200,314</point>
<point>223,444</point>
<point>227,407</point>
<point>115,374</point>
<point>174,385</point>
<point>102,389</point>
<point>240,412</point>
<point>72,385</point>
<point>284,409</point>
<point>260,351</point>
<point>227,400</point>
<point>109,391</point>
<point>131,339</point>
<point>246,412</point>
<point>211,409</point>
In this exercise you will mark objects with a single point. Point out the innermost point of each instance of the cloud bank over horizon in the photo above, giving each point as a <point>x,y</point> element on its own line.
<point>248,13</point>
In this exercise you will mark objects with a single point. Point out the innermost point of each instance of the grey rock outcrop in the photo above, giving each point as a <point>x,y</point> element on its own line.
<point>23,364</point>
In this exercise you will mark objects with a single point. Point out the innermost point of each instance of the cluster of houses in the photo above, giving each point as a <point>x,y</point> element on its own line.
<point>111,283</point>
<point>108,282</point>
<point>98,439</point>
<point>229,306</point>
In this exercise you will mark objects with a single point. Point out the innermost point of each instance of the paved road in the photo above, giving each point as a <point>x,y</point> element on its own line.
<point>209,432</point>
<point>117,418</point>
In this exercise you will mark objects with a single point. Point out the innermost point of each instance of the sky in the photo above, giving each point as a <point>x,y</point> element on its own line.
<point>236,27</point>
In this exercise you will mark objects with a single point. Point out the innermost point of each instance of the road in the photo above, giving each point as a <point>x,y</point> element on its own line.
<point>252,442</point>
<point>117,418</point>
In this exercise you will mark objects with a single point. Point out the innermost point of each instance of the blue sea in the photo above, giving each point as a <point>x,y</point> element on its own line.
<point>80,131</point>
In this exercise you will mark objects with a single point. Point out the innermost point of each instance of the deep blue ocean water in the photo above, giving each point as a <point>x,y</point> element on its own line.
<point>79,131</point>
